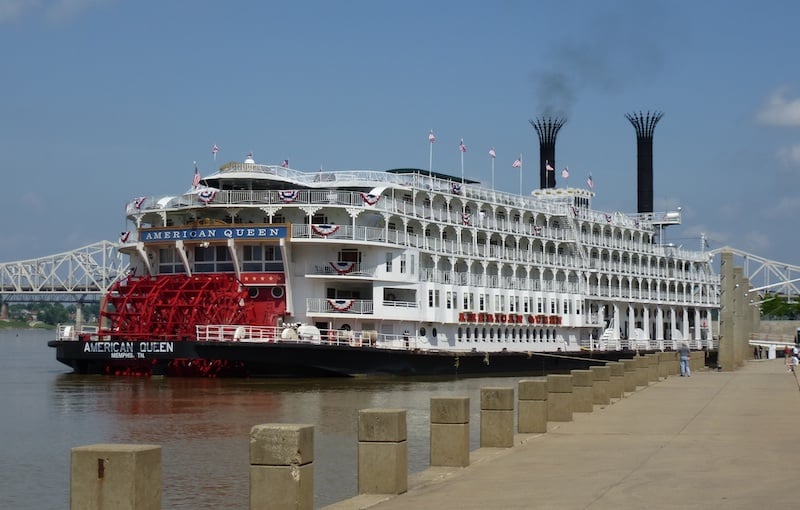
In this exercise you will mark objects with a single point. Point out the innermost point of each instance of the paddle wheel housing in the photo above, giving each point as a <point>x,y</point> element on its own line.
<point>168,307</point>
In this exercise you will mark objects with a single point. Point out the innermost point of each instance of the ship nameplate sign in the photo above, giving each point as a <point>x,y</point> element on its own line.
<point>211,233</point>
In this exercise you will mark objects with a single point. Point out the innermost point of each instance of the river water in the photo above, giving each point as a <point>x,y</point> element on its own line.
<point>202,425</point>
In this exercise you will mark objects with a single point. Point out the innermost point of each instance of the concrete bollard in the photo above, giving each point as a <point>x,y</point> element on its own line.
<point>382,451</point>
<point>652,367</point>
<point>663,364</point>
<point>118,476</point>
<point>450,431</point>
<point>641,371</point>
<point>497,417</point>
<point>559,397</point>
<point>281,466</point>
<point>601,375</point>
<point>674,363</point>
<point>532,413</point>
<point>616,383</point>
<point>582,391</point>
<point>630,375</point>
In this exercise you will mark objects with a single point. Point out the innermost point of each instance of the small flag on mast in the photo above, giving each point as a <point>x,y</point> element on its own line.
<point>517,163</point>
<point>462,147</point>
<point>590,182</point>
<point>548,167</point>
<point>285,163</point>
<point>196,178</point>
<point>492,153</point>
<point>565,172</point>
<point>431,137</point>
<point>214,151</point>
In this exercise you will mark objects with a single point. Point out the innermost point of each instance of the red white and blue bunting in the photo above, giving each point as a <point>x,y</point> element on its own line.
<point>341,305</point>
<point>207,195</point>
<point>456,189</point>
<point>537,230</point>
<point>325,230</point>
<point>288,196</point>
<point>574,210</point>
<point>369,198</point>
<point>343,267</point>
<point>137,203</point>
<point>124,236</point>
<point>466,218</point>
<point>608,218</point>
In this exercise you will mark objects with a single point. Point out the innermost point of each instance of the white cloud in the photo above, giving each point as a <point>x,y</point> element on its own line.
<point>780,111</point>
<point>13,10</point>
<point>790,155</point>
<point>54,11</point>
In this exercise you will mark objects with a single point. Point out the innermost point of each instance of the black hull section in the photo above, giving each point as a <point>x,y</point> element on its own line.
<point>310,360</point>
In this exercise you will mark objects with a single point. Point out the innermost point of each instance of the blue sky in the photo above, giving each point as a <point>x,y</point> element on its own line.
<point>105,100</point>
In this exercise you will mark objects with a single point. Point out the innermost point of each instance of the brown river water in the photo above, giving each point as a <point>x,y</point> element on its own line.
<point>202,425</point>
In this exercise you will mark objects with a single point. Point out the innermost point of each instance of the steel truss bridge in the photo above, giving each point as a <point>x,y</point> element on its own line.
<point>82,275</point>
<point>86,274</point>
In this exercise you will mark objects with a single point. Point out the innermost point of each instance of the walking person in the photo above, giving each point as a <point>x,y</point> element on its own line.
<point>685,354</point>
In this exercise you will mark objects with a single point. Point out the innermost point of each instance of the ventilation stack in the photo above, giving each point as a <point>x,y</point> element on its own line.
<point>644,123</point>
<point>547,129</point>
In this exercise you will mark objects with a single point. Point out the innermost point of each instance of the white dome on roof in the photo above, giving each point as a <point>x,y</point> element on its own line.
<point>249,158</point>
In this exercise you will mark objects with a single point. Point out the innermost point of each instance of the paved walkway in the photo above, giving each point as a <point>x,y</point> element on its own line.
<point>715,440</point>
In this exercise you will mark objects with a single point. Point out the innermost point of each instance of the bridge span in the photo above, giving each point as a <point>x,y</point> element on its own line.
<point>81,275</point>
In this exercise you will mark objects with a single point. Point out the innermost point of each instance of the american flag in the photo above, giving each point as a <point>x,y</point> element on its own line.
<point>285,163</point>
<point>590,182</point>
<point>565,173</point>
<point>462,147</point>
<point>548,167</point>
<point>492,153</point>
<point>431,137</point>
<point>517,163</point>
<point>214,149</point>
<point>196,178</point>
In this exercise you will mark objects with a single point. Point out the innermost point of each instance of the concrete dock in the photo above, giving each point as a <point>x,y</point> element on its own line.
<point>713,440</point>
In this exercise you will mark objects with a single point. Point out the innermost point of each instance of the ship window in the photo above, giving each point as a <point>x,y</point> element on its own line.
<point>403,265</point>
<point>388,262</point>
<point>433,332</point>
<point>422,331</point>
<point>319,219</point>
<point>460,333</point>
<point>169,262</point>
<point>350,255</point>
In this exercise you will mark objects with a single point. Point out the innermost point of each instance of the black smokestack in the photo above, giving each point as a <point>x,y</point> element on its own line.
<point>644,123</point>
<point>547,129</point>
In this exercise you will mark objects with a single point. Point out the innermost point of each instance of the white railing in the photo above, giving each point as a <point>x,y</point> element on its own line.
<point>350,306</point>
<point>304,335</point>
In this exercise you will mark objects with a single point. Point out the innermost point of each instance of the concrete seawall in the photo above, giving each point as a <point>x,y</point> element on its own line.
<point>714,440</point>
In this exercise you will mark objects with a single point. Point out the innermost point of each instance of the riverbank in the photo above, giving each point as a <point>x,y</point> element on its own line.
<point>9,324</point>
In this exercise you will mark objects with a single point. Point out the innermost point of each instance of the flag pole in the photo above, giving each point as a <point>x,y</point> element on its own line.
<point>462,164</point>
<point>431,139</point>
<point>492,158</point>
<point>520,174</point>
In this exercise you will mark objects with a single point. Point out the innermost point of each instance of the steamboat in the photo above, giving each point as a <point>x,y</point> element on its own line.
<point>264,270</point>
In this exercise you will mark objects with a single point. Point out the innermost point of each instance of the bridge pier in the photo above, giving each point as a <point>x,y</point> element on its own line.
<point>3,311</point>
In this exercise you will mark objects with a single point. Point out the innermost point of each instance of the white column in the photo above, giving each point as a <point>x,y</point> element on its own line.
<point>698,324</point>
<point>685,321</point>
<point>631,321</point>
<point>659,324</point>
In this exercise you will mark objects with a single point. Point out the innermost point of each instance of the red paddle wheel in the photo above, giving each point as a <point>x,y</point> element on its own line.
<point>168,307</point>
